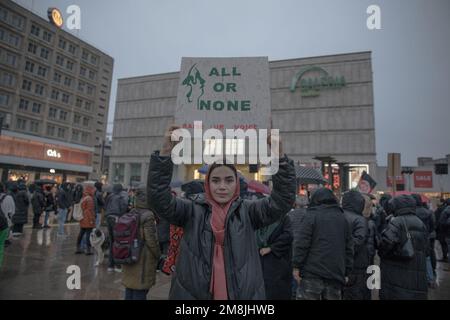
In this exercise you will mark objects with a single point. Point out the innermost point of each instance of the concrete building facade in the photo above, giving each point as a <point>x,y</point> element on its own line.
<point>323,107</point>
<point>54,99</point>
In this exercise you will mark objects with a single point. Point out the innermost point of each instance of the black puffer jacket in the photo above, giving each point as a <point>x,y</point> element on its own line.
<point>277,265</point>
<point>194,264</point>
<point>403,279</point>
<point>323,245</point>
<point>38,201</point>
<point>372,241</point>
<point>296,216</point>
<point>22,204</point>
<point>444,220</point>
<point>426,216</point>
<point>63,198</point>
<point>353,205</point>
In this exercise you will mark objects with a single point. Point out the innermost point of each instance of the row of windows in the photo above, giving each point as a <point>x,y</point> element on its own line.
<point>4,99</point>
<point>29,125</point>
<point>58,114</point>
<point>87,73</point>
<point>10,38</point>
<point>35,68</point>
<point>78,119</point>
<point>44,53</point>
<point>58,95</point>
<point>45,34</point>
<point>67,45</point>
<point>12,19</point>
<point>22,124</point>
<point>8,58</point>
<point>80,103</point>
<point>7,79</point>
<point>64,62</point>
<point>86,88</point>
<point>57,77</point>
<point>38,88</point>
<point>27,105</point>
<point>89,57</point>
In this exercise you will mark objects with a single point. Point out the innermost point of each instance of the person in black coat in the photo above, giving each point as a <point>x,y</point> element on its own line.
<point>275,249</point>
<point>323,249</point>
<point>428,219</point>
<point>440,230</point>
<point>403,278</point>
<point>50,204</point>
<point>22,203</point>
<point>380,215</point>
<point>444,222</point>
<point>38,204</point>
<point>353,204</point>
<point>296,216</point>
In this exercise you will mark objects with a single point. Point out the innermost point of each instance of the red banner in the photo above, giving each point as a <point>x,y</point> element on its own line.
<point>423,179</point>
<point>398,180</point>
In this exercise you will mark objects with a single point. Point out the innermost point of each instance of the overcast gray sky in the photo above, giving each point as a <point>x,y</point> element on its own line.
<point>410,54</point>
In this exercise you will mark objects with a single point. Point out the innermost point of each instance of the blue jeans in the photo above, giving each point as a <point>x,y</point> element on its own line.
<point>62,215</point>
<point>98,217</point>
<point>47,214</point>
<point>133,294</point>
<point>430,275</point>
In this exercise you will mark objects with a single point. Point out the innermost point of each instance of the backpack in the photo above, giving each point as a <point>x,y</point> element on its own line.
<point>127,242</point>
<point>3,219</point>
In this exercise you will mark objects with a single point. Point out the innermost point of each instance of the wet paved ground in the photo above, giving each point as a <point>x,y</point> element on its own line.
<point>35,268</point>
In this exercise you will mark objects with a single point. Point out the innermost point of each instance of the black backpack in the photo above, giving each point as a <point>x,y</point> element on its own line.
<point>3,219</point>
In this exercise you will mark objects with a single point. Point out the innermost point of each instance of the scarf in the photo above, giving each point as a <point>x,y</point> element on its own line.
<point>218,286</point>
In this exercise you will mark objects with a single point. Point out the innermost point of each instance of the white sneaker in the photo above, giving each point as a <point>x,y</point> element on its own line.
<point>118,269</point>
<point>110,270</point>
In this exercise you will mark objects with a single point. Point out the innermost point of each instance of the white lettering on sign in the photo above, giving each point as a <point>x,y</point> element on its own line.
<point>53,153</point>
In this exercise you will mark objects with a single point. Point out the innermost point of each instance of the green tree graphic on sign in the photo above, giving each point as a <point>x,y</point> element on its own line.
<point>194,79</point>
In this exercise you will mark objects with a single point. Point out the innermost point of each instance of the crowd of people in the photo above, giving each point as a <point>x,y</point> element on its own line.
<point>218,242</point>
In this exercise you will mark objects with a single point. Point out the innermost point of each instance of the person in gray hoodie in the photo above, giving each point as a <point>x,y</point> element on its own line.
<point>115,206</point>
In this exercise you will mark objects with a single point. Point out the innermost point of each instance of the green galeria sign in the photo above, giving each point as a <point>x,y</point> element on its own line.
<point>311,87</point>
<point>224,93</point>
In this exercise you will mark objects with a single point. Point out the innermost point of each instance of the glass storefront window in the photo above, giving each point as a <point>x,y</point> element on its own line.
<point>118,173</point>
<point>15,175</point>
<point>135,173</point>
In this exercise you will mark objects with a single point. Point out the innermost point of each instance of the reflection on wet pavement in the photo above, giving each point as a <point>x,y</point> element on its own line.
<point>35,268</point>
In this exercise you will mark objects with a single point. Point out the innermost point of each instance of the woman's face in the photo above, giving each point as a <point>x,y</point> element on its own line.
<point>222,184</point>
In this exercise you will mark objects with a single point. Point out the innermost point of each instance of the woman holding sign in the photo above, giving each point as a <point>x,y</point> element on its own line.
<point>219,257</point>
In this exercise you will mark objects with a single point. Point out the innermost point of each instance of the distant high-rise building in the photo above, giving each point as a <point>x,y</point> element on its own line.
<point>54,99</point>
